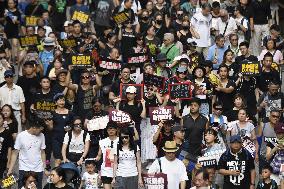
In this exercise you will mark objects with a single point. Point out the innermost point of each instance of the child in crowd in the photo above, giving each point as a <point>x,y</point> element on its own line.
<point>90,179</point>
<point>267,182</point>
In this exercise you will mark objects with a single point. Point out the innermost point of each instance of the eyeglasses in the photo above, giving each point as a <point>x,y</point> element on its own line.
<point>124,137</point>
<point>85,77</point>
<point>77,124</point>
<point>234,39</point>
<point>184,73</point>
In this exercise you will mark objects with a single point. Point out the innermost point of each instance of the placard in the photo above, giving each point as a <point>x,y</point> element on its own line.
<point>160,113</point>
<point>99,123</point>
<point>139,91</point>
<point>8,181</point>
<point>68,43</point>
<point>250,68</point>
<point>110,64</point>
<point>272,140</point>
<point>155,181</point>
<point>31,20</point>
<point>82,61</point>
<point>154,80</point>
<point>180,91</point>
<point>121,17</point>
<point>211,158</point>
<point>43,109</point>
<point>137,58</point>
<point>120,117</point>
<point>80,16</point>
<point>29,41</point>
<point>249,145</point>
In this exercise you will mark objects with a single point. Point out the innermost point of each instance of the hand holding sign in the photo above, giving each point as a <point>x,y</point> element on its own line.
<point>250,68</point>
<point>158,114</point>
<point>82,61</point>
<point>180,91</point>
<point>80,16</point>
<point>122,118</point>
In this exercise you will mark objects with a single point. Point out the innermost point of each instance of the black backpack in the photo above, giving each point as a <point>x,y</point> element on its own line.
<point>70,138</point>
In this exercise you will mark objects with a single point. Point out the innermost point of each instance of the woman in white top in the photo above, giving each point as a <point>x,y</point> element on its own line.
<point>127,163</point>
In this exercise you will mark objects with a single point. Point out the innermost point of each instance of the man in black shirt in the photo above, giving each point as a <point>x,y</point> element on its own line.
<point>237,166</point>
<point>246,56</point>
<point>34,9</point>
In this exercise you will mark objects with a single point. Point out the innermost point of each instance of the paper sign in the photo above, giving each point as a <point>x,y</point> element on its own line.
<point>250,68</point>
<point>120,18</point>
<point>82,61</point>
<point>43,109</point>
<point>31,20</point>
<point>68,43</point>
<point>154,80</point>
<point>180,91</point>
<point>80,16</point>
<point>120,117</point>
<point>207,161</point>
<point>139,91</point>
<point>110,64</point>
<point>99,123</point>
<point>138,58</point>
<point>249,145</point>
<point>29,41</point>
<point>8,182</point>
<point>156,181</point>
<point>272,140</point>
<point>160,113</point>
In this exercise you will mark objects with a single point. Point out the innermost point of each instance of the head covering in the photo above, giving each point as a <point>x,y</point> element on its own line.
<point>235,138</point>
<point>161,57</point>
<point>48,41</point>
<point>191,42</point>
<point>58,72</point>
<point>131,89</point>
<point>58,96</point>
<point>170,146</point>
<point>8,73</point>
<point>181,69</point>
<point>279,128</point>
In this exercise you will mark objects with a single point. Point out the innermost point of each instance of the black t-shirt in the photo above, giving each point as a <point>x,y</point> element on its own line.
<point>115,87</point>
<point>6,141</point>
<point>242,58</point>
<point>265,77</point>
<point>58,13</point>
<point>10,27</point>
<point>244,162</point>
<point>127,41</point>
<point>226,98</point>
<point>4,44</point>
<point>32,8</point>
<point>133,110</point>
<point>52,186</point>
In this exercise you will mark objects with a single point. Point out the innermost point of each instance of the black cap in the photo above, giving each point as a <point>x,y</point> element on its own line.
<point>58,96</point>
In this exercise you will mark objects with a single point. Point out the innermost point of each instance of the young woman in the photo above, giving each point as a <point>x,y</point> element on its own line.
<point>76,143</point>
<point>228,60</point>
<point>59,124</point>
<point>30,180</point>
<point>10,122</point>
<point>127,162</point>
<point>271,47</point>
<point>6,145</point>
<point>58,176</point>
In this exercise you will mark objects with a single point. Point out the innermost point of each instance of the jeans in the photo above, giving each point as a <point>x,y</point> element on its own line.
<point>21,179</point>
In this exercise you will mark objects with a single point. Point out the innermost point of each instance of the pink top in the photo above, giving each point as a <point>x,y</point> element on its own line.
<point>277,56</point>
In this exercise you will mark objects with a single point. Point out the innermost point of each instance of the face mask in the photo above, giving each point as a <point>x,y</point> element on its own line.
<point>159,22</point>
<point>179,17</point>
<point>185,27</point>
<point>145,18</point>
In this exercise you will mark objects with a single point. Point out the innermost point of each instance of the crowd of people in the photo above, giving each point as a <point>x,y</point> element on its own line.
<point>63,65</point>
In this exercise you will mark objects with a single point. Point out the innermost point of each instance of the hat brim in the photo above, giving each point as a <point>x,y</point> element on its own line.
<point>235,141</point>
<point>170,149</point>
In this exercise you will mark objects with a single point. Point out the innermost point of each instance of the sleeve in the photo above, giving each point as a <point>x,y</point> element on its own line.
<point>210,54</point>
<point>184,176</point>
<point>22,97</point>
<point>234,24</point>
<point>43,146</point>
<point>66,138</point>
<point>18,144</point>
<point>251,162</point>
<point>260,100</point>
<point>88,138</point>
<point>10,141</point>
<point>222,163</point>
<point>154,168</point>
<point>84,177</point>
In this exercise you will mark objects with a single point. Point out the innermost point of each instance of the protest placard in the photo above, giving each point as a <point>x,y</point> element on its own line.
<point>154,80</point>
<point>180,91</point>
<point>43,109</point>
<point>29,41</point>
<point>121,17</point>
<point>31,20</point>
<point>68,43</point>
<point>211,158</point>
<point>160,113</point>
<point>137,58</point>
<point>139,91</point>
<point>110,64</point>
<point>120,117</point>
<point>8,181</point>
<point>98,123</point>
<point>250,68</point>
<point>249,145</point>
<point>82,61</point>
<point>80,16</point>
<point>155,181</point>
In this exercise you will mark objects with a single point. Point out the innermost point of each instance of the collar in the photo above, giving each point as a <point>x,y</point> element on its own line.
<point>13,87</point>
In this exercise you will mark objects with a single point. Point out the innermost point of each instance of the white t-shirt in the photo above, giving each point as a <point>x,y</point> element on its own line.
<point>231,27</point>
<point>108,156</point>
<point>202,25</point>
<point>91,181</point>
<point>76,144</point>
<point>245,25</point>
<point>127,163</point>
<point>30,147</point>
<point>175,170</point>
<point>236,130</point>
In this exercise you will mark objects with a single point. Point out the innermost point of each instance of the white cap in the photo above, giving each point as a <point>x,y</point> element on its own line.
<point>131,89</point>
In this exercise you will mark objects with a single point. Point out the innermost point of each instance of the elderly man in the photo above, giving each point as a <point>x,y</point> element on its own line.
<point>169,47</point>
<point>226,25</point>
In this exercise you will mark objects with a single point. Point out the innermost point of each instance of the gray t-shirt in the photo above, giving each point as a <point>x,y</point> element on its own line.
<point>104,12</point>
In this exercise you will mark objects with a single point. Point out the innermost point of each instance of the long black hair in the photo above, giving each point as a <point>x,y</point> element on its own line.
<point>132,145</point>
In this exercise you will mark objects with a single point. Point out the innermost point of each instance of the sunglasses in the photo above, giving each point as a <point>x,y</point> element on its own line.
<point>124,137</point>
<point>85,77</point>
<point>78,125</point>
<point>8,76</point>
<point>184,73</point>
<point>220,109</point>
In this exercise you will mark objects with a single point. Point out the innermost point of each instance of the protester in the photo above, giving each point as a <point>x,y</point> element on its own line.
<point>58,176</point>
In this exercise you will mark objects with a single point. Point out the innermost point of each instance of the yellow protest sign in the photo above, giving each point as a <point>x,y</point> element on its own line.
<point>31,20</point>
<point>68,43</point>
<point>81,61</point>
<point>121,17</point>
<point>250,68</point>
<point>29,41</point>
<point>81,16</point>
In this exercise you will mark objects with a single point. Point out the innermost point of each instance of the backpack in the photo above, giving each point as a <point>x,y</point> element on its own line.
<point>277,161</point>
<point>70,138</point>
<point>247,34</point>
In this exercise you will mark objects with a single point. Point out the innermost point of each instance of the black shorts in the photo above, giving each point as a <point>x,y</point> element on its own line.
<point>106,180</point>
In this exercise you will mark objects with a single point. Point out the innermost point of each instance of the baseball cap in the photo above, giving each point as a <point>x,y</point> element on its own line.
<point>58,96</point>
<point>279,128</point>
<point>235,138</point>
<point>8,73</point>
<point>131,89</point>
